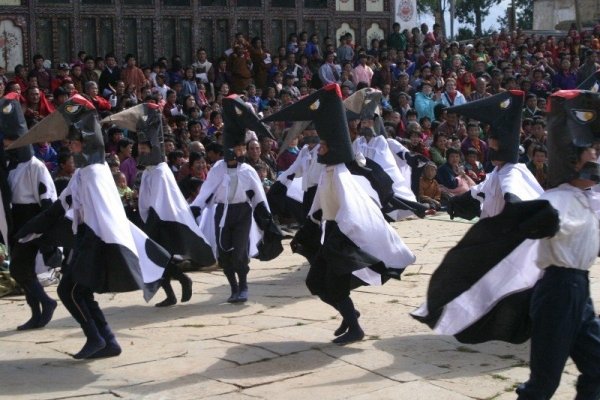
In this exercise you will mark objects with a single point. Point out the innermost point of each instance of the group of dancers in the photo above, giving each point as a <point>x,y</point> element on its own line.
<point>519,273</point>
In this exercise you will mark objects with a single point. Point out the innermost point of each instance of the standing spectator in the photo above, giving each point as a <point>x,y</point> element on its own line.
<point>62,74</point>
<point>21,77</point>
<point>189,86</point>
<point>293,68</point>
<point>110,75</point>
<point>132,75</point>
<point>362,72</point>
<point>261,62</point>
<point>345,52</point>
<point>589,66</point>
<point>203,68</point>
<point>328,72</point>
<point>425,101</point>
<point>397,40</point>
<point>43,74</point>
<point>241,76</point>
<point>89,74</point>
<point>127,165</point>
<point>565,78</point>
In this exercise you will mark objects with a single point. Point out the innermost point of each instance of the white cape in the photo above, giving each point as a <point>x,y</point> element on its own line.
<point>360,219</point>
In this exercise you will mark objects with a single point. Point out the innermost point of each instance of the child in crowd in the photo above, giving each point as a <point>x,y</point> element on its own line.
<point>125,192</point>
<point>473,167</point>
<point>429,190</point>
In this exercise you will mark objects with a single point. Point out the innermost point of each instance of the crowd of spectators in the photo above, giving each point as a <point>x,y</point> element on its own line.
<point>418,71</point>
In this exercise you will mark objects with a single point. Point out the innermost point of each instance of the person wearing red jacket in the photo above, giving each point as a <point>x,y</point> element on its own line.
<point>91,93</point>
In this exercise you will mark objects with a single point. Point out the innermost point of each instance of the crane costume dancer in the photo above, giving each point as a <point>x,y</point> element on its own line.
<point>236,218</point>
<point>31,191</point>
<point>167,217</point>
<point>348,256</point>
<point>110,254</point>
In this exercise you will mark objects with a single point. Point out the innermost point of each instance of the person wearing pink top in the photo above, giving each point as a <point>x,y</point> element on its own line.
<point>362,72</point>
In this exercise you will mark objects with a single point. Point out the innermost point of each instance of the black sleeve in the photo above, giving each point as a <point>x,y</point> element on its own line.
<point>196,211</point>
<point>511,198</point>
<point>44,221</point>
<point>270,246</point>
<point>464,206</point>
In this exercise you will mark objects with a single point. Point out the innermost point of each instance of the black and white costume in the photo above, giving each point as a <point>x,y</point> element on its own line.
<point>167,217</point>
<point>110,254</point>
<point>347,256</point>
<point>235,217</point>
<point>31,191</point>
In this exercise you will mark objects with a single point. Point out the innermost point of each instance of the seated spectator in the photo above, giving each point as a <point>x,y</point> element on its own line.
<point>473,141</point>
<point>175,161</point>
<point>426,131</point>
<point>453,126</point>
<point>216,123</point>
<point>415,143</point>
<point>439,149</point>
<point>452,177</point>
<point>128,196</point>
<point>46,153</point>
<point>288,156</point>
<point>473,166</point>
<point>451,96</point>
<point>425,101</point>
<point>539,166</point>
<point>429,190</point>
<point>113,163</point>
<point>64,171</point>
<point>261,170</point>
<point>115,134</point>
<point>531,110</point>
<point>36,106</point>
<point>214,152</point>
<point>198,168</point>
<point>253,159</point>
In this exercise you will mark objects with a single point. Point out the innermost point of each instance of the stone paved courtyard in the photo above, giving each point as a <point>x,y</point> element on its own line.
<point>276,346</point>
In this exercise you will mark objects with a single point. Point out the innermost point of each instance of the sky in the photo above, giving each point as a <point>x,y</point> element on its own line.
<point>488,22</point>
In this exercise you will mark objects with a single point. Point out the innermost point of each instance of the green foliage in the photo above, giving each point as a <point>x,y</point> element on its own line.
<point>465,33</point>
<point>473,12</point>
<point>524,15</point>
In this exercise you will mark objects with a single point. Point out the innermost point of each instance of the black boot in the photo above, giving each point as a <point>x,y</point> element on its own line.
<point>344,326</point>
<point>186,287</point>
<point>234,286</point>
<point>243,294</point>
<point>36,313</point>
<point>112,348</point>
<point>171,300</point>
<point>355,333</point>
<point>48,304</point>
<point>94,342</point>
<point>36,297</point>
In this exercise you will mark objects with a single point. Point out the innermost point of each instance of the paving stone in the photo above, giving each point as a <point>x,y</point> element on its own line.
<point>278,345</point>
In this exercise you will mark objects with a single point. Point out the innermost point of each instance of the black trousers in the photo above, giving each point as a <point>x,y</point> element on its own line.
<point>22,262</point>
<point>307,201</point>
<point>79,300</point>
<point>322,281</point>
<point>233,238</point>
<point>564,325</point>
